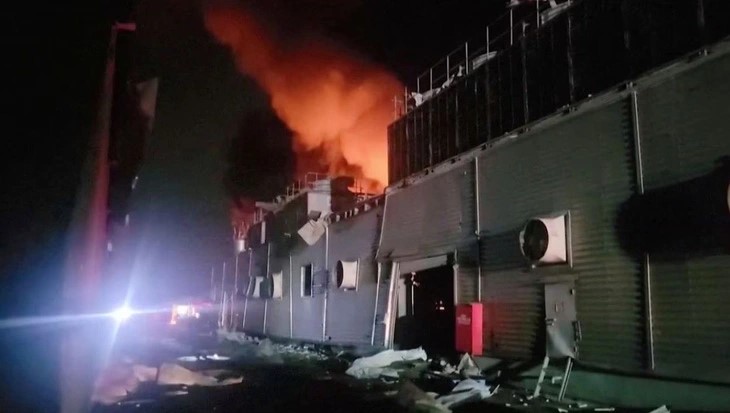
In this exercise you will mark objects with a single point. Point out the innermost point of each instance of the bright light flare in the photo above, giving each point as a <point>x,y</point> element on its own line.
<point>122,314</point>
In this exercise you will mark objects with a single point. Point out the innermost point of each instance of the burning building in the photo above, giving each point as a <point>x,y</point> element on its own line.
<point>568,180</point>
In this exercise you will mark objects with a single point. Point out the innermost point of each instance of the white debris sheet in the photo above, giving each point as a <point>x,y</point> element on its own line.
<point>468,390</point>
<point>119,380</point>
<point>378,365</point>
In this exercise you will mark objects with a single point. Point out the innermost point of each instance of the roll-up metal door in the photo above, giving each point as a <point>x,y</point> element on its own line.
<point>582,163</point>
<point>685,131</point>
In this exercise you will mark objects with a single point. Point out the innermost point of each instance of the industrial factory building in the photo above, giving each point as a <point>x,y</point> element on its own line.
<point>568,183</point>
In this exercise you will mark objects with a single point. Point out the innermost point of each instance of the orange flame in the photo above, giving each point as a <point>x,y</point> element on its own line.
<point>337,105</point>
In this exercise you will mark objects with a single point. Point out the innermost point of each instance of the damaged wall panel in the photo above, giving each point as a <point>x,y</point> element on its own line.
<point>277,311</point>
<point>433,217</point>
<point>350,311</point>
<point>255,307</point>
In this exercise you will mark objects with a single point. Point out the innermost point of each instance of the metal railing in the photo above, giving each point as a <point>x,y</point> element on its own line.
<point>540,64</point>
<point>502,33</point>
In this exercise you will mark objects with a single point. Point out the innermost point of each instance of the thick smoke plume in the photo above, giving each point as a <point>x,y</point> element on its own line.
<point>338,105</point>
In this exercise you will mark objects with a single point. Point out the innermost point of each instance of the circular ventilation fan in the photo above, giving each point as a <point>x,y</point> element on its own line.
<point>543,240</point>
<point>534,240</point>
<point>340,272</point>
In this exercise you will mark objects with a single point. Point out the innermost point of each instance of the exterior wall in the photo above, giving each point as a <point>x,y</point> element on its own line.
<point>307,315</point>
<point>684,123</point>
<point>582,164</point>
<point>350,313</point>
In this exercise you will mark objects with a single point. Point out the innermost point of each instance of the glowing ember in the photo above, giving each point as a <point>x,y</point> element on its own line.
<point>339,106</point>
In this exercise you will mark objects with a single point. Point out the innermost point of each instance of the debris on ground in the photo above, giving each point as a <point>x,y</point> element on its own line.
<point>382,364</point>
<point>412,397</point>
<point>175,374</point>
<point>468,367</point>
<point>661,409</point>
<point>119,380</point>
<point>466,391</point>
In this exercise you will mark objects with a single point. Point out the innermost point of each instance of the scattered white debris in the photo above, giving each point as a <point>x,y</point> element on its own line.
<point>466,391</point>
<point>234,336</point>
<point>467,367</point>
<point>374,366</point>
<point>661,409</point>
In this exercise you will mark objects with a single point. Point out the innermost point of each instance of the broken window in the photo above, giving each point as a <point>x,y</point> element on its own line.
<point>306,280</point>
<point>277,282</point>
<point>257,287</point>
<point>347,272</point>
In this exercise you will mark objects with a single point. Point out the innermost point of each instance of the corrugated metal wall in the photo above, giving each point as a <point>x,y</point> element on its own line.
<point>583,164</point>
<point>433,217</point>
<point>308,311</point>
<point>467,276</point>
<point>350,313</point>
<point>685,129</point>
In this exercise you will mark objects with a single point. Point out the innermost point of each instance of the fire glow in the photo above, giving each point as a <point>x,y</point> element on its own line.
<point>337,105</point>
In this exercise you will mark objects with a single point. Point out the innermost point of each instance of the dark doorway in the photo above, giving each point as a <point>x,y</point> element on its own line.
<point>428,317</point>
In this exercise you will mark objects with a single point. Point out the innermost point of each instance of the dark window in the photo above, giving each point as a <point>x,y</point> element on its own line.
<point>307,280</point>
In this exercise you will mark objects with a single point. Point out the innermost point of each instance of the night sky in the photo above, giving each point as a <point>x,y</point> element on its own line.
<point>205,146</point>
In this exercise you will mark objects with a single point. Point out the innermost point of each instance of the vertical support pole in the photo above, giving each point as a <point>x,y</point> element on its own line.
<point>375,308</point>
<point>223,297</point>
<point>268,274</point>
<point>478,223</point>
<point>248,288</point>
<point>537,14</point>
<point>430,78</point>
<point>213,292</point>
<point>326,282</point>
<point>571,72</point>
<point>525,98</point>
<point>646,261</point>
<point>391,312</point>
<point>466,58</point>
<point>487,42</point>
<point>511,27</point>
<point>541,378</point>
<point>455,270</point>
<point>448,66</point>
<point>566,378</point>
<point>291,298</point>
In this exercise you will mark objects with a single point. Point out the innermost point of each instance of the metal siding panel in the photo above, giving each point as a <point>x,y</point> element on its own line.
<point>431,217</point>
<point>277,313</point>
<point>350,313</point>
<point>307,311</point>
<point>467,278</point>
<point>255,307</point>
<point>684,122</point>
<point>583,164</point>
